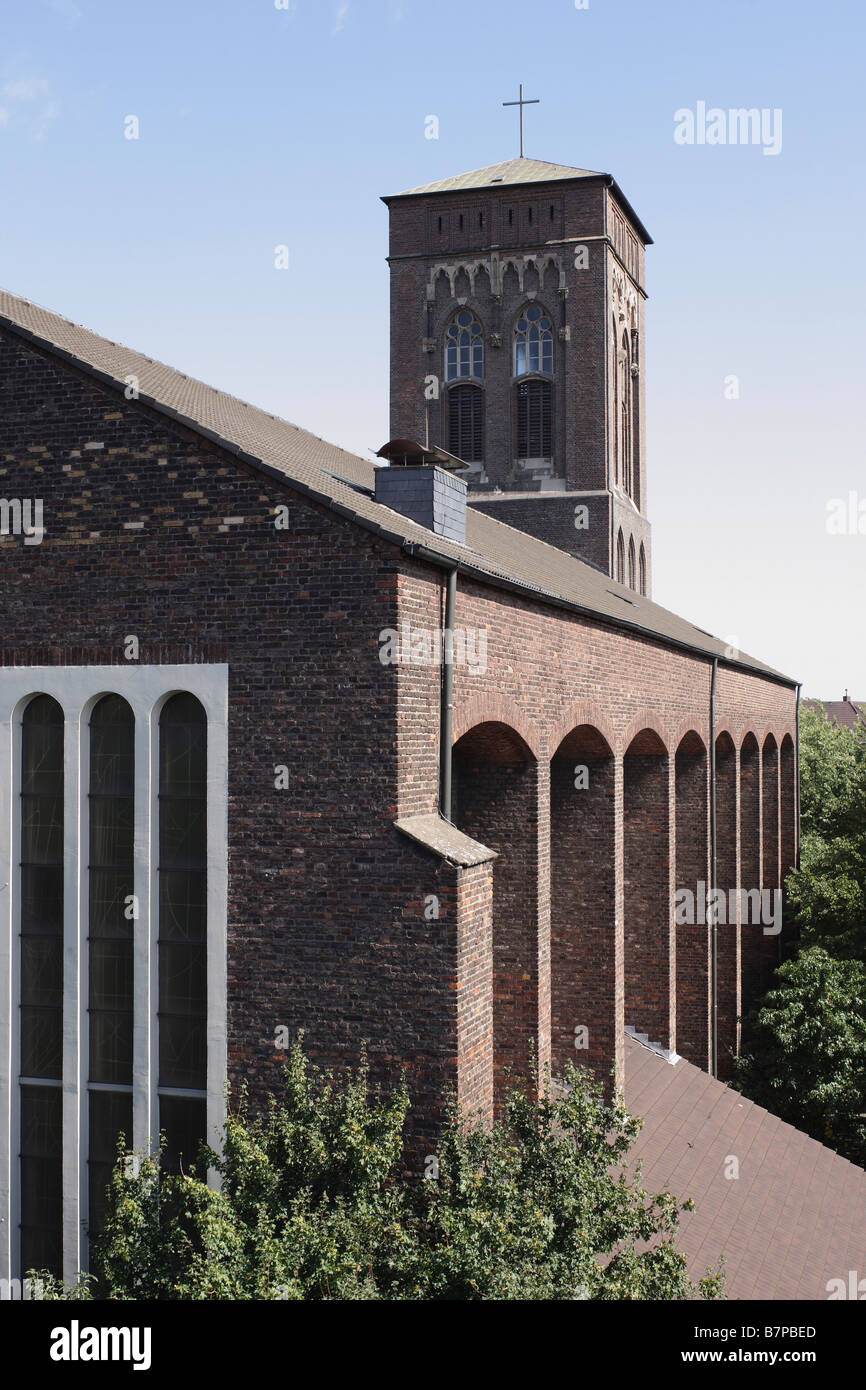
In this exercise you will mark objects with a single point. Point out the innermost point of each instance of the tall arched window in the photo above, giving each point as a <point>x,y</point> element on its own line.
<point>620,559</point>
<point>464,347</point>
<point>110,944</point>
<point>534,433</point>
<point>41,1011</point>
<point>616,387</point>
<point>182,925</point>
<point>632,566</point>
<point>533,342</point>
<point>466,423</point>
<point>642,569</point>
<point>625,406</point>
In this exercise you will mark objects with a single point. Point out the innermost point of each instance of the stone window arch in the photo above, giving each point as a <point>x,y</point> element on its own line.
<point>632,564</point>
<point>642,569</point>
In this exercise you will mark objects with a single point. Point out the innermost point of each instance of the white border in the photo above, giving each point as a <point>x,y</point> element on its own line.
<point>76,689</point>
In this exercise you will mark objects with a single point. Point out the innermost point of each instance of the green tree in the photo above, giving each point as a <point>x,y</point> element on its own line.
<point>828,891</point>
<point>315,1203</point>
<point>804,1050</point>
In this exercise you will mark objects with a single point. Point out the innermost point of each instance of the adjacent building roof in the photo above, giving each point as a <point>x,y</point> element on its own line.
<point>846,712</point>
<point>344,482</point>
<point>793,1219</point>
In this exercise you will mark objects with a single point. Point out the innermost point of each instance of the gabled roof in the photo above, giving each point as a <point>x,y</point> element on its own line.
<point>793,1219</point>
<point>521,170</point>
<point>846,712</point>
<point>344,482</point>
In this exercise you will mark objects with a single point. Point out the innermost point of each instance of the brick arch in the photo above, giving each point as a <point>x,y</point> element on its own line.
<point>689,734</point>
<point>583,713</point>
<point>762,732</point>
<point>732,732</point>
<point>756,735</point>
<point>642,721</point>
<point>496,801</point>
<point>496,709</point>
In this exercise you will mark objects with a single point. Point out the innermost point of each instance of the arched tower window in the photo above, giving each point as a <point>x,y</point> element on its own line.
<point>642,569</point>
<point>110,940</point>
<point>464,347</point>
<point>41,1011</point>
<point>625,414</point>
<point>182,925</point>
<point>620,559</point>
<point>533,342</point>
<point>466,423</point>
<point>632,576</point>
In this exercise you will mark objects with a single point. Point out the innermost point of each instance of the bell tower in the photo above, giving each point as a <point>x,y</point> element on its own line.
<point>517,344</point>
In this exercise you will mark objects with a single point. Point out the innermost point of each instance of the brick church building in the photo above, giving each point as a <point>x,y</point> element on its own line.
<point>400,754</point>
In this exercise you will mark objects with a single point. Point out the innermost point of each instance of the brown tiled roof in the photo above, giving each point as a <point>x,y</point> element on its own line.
<point>794,1219</point>
<point>343,481</point>
<point>846,712</point>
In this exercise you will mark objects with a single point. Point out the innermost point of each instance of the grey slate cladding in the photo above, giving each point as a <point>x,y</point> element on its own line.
<point>432,497</point>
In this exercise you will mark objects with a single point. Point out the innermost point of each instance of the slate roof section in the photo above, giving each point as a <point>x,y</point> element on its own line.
<point>793,1220</point>
<point>516,172</point>
<point>493,553</point>
<point>511,171</point>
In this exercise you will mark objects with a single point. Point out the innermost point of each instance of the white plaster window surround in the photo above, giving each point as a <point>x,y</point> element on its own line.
<point>77,690</point>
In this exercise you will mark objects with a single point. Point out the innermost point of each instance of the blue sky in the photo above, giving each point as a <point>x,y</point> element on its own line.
<point>261,126</point>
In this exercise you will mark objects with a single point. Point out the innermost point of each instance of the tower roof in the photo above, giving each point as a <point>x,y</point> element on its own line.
<point>520,170</point>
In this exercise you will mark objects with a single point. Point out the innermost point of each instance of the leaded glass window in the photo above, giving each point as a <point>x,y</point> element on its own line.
<point>112,780</point>
<point>41,1012</point>
<point>182,911</point>
<point>110,942</point>
<point>464,347</point>
<point>533,342</point>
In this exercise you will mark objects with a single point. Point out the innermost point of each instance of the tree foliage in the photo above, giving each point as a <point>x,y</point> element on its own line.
<point>804,1047</point>
<point>828,892</point>
<point>315,1203</point>
<point>804,1054</point>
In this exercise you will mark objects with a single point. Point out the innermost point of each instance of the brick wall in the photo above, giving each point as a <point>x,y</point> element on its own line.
<point>159,535</point>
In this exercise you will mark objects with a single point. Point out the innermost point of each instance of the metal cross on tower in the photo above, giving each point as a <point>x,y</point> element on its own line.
<point>534,101</point>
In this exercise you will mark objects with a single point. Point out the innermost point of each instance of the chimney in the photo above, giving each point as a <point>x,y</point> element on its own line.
<point>422,484</point>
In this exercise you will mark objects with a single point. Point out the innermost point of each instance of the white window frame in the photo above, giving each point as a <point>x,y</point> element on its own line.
<point>77,689</point>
